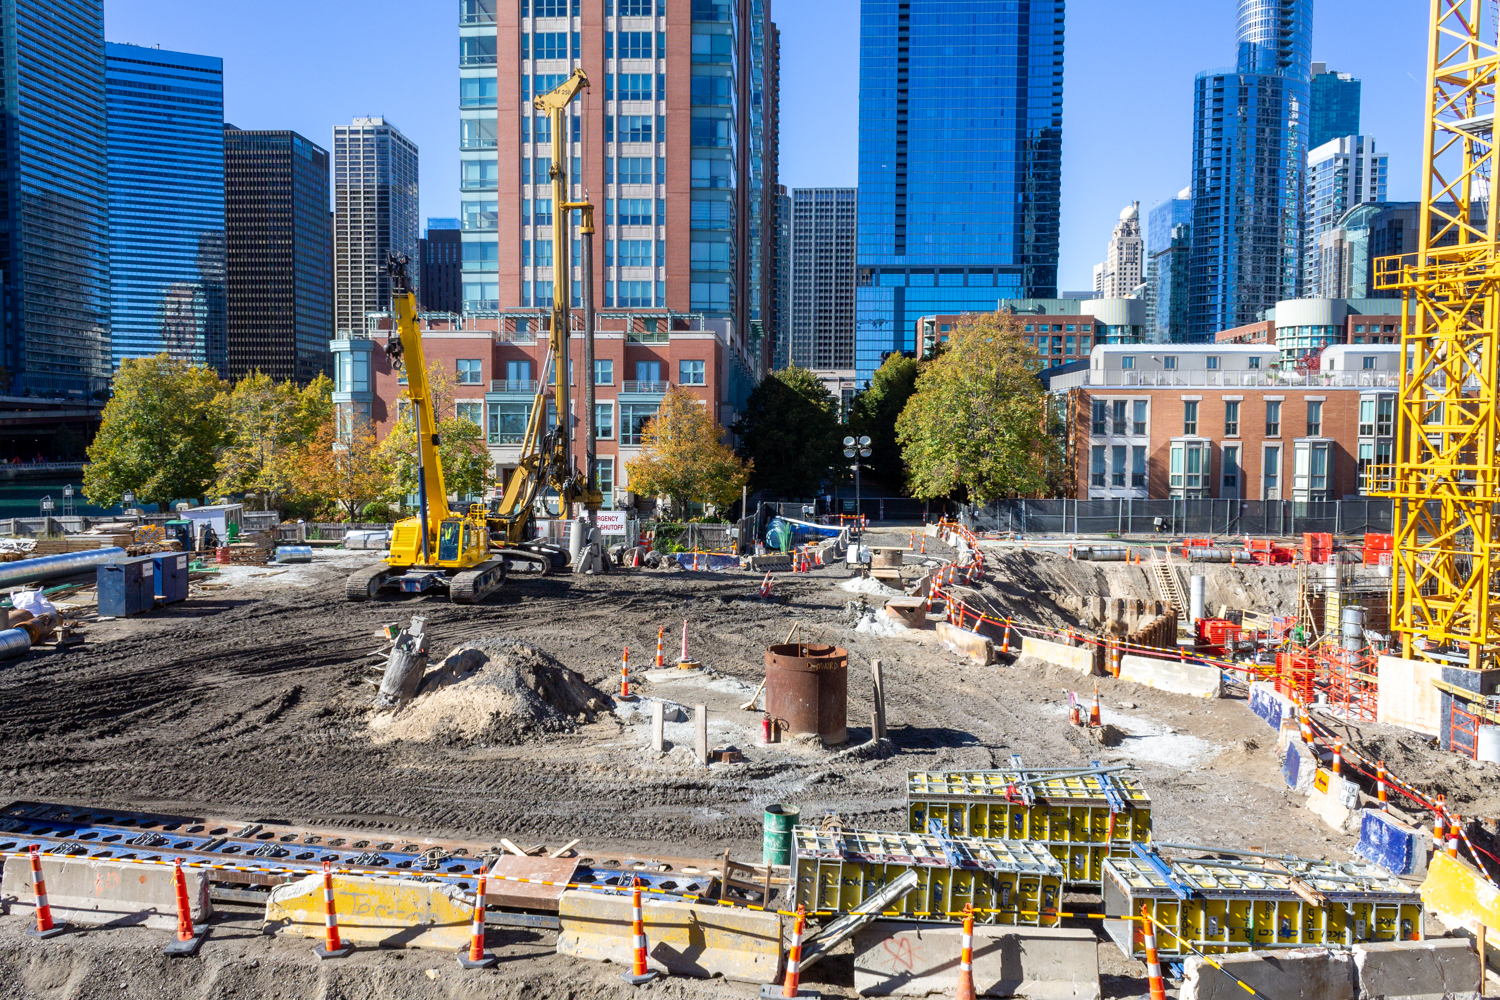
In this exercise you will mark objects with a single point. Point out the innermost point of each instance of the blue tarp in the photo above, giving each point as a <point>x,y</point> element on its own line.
<point>707,561</point>
<point>783,533</point>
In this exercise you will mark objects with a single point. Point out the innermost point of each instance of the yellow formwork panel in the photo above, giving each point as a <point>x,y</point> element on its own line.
<point>1071,815</point>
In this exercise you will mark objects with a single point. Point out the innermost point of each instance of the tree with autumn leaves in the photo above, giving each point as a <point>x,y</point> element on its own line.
<point>684,459</point>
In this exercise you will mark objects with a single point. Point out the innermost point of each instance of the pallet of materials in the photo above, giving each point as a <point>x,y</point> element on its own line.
<point>77,543</point>
<point>1007,882</point>
<point>1082,814</point>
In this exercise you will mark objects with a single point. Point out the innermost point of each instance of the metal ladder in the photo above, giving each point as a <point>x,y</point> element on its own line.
<point>1168,586</point>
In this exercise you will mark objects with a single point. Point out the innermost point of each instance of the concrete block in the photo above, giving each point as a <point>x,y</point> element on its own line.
<point>1335,801</point>
<point>1407,697</point>
<point>976,647</point>
<point>1270,705</point>
<point>1459,897</point>
<point>1298,766</point>
<point>910,959</point>
<point>386,913</point>
<point>1172,675</point>
<point>908,611</point>
<point>682,939</point>
<point>1415,968</point>
<point>771,561</point>
<point>99,893</point>
<point>1393,845</point>
<point>1312,973</point>
<point>1079,658</point>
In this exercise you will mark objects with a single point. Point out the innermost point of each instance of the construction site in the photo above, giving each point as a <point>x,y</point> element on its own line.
<point>504,750</point>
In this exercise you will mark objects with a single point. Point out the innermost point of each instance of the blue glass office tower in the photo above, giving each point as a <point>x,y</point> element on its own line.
<point>166,205</point>
<point>960,149</point>
<point>1335,106</point>
<point>54,251</point>
<point>1169,239</point>
<point>1250,128</point>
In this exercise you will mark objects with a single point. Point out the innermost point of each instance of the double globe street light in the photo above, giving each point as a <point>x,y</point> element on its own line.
<point>855,449</point>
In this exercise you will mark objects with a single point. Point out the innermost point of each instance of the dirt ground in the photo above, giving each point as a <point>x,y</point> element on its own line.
<point>251,701</point>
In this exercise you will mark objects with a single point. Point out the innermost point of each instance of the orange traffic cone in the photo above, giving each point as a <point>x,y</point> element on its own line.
<point>1075,714</point>
<point>660,632</point>
<point>188,940</point>
<point>1153,963</point>
<point>625,694</point>
<point>332,946</point>
<point>965,989</point>
<point>638,973</point>
<point>477,957</point>
<point>45,926</point>
<point>1094,720</point>
<point>791,985</point>
<point>1005,642</point>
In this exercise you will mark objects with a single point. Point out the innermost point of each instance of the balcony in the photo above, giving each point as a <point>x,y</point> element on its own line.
<point>656,387</point>
<point>648,337</point>
<point>1243,379</point>
<point>513,384</point>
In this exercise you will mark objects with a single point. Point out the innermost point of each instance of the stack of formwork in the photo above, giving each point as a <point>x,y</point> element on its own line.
<point>1159,632</point>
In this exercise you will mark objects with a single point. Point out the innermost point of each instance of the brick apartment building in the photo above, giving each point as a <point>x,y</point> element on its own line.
<point>496,361</point>
<point>1227,421</point>
<point>1301,328</point>
<point>1061,330</point>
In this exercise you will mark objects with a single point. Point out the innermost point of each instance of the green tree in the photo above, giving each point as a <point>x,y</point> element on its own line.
<point>461,449</point>
<point>790,433</point>
<point>269,427</point>
<point>160,435</point>
<point>874,411</point>
<point>343,473</point>
<point>683,457</point>
<point>976,428</point>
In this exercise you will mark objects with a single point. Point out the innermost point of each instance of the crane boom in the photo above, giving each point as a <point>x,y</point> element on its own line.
<point>406,348</point>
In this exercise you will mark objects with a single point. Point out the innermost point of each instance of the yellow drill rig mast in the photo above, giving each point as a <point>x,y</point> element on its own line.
<point>1445,483</point>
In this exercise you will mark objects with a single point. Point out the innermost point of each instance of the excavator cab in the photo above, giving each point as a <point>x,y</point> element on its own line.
<point>450,538</point>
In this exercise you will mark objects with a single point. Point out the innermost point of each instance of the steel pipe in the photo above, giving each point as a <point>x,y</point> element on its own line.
<point>14,574</point>
<point>14,642</point>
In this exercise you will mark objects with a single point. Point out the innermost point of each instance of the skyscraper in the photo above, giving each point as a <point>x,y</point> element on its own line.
<point>279,254</point>
<point>166,205</point>
<point>374,214</point>
<point>1335,106</point>
<point>781,292</point>
<point>54,248</point>
<point>1121,270</point>
<point>441,255</point>
<point>1169,239</point>
<point>680,130</point>
<point>1342,174</point>
<point>960,146</point>
<point>822,300</point>
<point>1249,147</point>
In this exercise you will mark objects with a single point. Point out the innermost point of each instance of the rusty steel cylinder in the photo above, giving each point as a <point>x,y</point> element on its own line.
<point>807,686</point>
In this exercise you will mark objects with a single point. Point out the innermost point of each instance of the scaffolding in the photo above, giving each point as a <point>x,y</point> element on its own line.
<point>1446,479</point>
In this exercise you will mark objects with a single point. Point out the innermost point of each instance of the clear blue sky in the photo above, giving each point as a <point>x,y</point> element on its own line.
<point>1127,113</point>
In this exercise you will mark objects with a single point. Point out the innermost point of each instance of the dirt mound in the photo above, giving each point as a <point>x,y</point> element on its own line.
<point>506,692</point>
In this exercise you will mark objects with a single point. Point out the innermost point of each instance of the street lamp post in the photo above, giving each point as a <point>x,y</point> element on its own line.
<point>127,500</point>
<point>856,449</point>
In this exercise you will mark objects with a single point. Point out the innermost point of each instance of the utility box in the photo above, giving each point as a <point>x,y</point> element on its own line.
<point>170,576</point>
<point>127,587</point>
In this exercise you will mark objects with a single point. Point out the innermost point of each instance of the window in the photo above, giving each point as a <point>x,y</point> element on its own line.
<point>1231,418</point>
<point>636,8</point>
<point>1368,364</point>
<point>708,295</point>
<point>1138,423</point>
<point>471,411</point>
<point>518,373</point>
<point>635,170</point>
<point>508,422</point>
<point>1367,416</point>
<point>711,173</point>
<point>543,253</point>
<point>1231,464</point>
<point>1101,416</point>
<point>635,86</point>
<point>1127,362</point>
<point>633,294</point>
<point>1096,477</point>
<point>604,371</point>
<point>1382,454</point>
<point>542,217</point>
<point>1117,466</point>
<point>648,371</point>
<point>1385,416</point>
<point>1190,417</point>
<point>710,256</point>
<point>481,175</point>
<point>544,45</point>
<point>1310,468</point>
<point>1273,419</point>
<point>604,421</point>
<point>711,215</point>
<point>1271,474</point>
<point>1119,416</point>
<point>1314,419</point>
<point>710,133</point>
<point>478,50</point>
<point>635,253</point>
<point>1254,363</point>
<point>690,373</point>
<point>477,92</point>
<point>712,48</point>
<point>633,417</point>
<point>1188,469</point>
<point>633,212</point>
<point>711,91</point>
<point>1138,467</point>
<point>1366,459</point>
<point>1169,363</point>
<point>634,44</point>
<point>634,128</point>
<point>470,371</point>
<point>604,478</point>
<point>1213,362</point>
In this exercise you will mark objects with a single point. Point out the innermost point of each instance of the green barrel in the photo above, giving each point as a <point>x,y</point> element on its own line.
<point>776,841</point>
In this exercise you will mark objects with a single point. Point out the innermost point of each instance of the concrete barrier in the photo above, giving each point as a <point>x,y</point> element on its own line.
<point>1079,658</point>
<point>1335,801</point>
<point>1172,675</point>
<point>1298,766</point>
<point>1437,968</point>
<point>1458,895</point>
<point>976,647</point>
<point>382,913</point>
<point>910,959</point>
<point>97,893</point>
<point>1391,844</point>
<point>1407,697</point>
<point>1296,972</point>
<point>683,939</point>
<point>1270,705</point>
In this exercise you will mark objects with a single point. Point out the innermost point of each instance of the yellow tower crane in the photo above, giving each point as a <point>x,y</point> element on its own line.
<point>1445,482</point>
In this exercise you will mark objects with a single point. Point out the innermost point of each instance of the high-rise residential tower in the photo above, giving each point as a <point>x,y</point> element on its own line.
<point>1335,106</point>
<point>822,300</point>
<point>375,213</point>
<point>1120,273</point>
<point>54,247</point>
<point>279,254</point>
<point>441,253</point>
<point>1342,174</point>
<point>1249,148</point>
<point>1169,239</point>
<point>960,149</point>
<point>675,143</point>
<point>166,205</point>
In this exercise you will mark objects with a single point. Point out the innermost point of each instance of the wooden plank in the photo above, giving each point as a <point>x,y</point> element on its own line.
<point>527,895</point>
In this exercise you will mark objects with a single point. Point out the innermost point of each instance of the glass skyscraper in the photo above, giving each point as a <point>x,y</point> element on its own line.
<point>960,148</point>
<point>54,250</point>
<point>1169,238</point>
<point>166,204</point>
<point>1335,106</point>
<point>1250,128</point>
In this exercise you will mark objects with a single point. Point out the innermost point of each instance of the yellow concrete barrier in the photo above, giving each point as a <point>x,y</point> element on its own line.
<point>683,939</point>
<point>376,912</point>
<point>1459,896</point>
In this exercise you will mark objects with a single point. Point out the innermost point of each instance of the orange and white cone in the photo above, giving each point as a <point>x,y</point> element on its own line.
<point>1380,790</point>
<point>188,940</point>
<point>1153,964</point>
<point>1094,720</point>
<point>661,632</point>
<point>45,927</point>
<point>625,694</point>
<point>637,563</point>
<point>765,586</point>
<point>1439,826</point>
<point>965,989</point>
<point>1338,757</point>
<point>1455,822</point>
<point>638,973</point>
<point>333,947</point>
<point>791,985</point>
<point>1305,721</point>
<point>1005,640</point>
<point>477,957</point>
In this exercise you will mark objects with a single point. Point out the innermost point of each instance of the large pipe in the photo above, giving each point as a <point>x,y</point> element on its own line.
<point>1207,555</point>
<point>1196,591</point>
<point>15,574</point>
<point>14,642</point>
